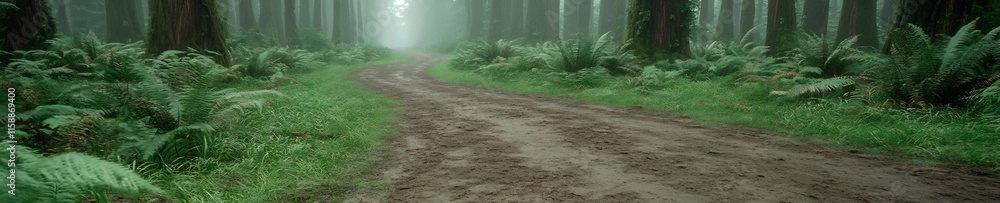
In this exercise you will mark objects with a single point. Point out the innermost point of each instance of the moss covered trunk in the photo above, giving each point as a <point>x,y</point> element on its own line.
<point>474,9</point>
<point>660,29</point>
<point>291,25</point>
<point>183,24</point>
<point>748,17</point>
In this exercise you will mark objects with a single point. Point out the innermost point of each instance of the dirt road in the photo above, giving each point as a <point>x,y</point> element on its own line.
<point>470,144</point>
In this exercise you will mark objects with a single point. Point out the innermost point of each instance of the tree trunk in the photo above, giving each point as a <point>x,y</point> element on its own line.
<point>304,17</point>
<point>725,26</point>
<point>516,19</point>
<point>660,29</point>
<point>747,17</point>
<point>248,20</point>
<point>28,27</point>
<point>291,27</point>
<point>543,20</point>
<point>123,21</point>
<point>857,17</point>
<point>499,20</point>
<point>706,16</point>
<point>317,19</point>
<point>612,18</point>
<point>476,19</point>
<point>269,19</point>
<point>577,15</point>
<point>63,14</point>
<point>817,13</point>
<point>183,24</point>
<point>781,26</point>
<point>344,29</point>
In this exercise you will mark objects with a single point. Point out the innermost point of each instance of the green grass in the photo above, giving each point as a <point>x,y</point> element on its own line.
<point>941,136</point>
<point>311,145</point>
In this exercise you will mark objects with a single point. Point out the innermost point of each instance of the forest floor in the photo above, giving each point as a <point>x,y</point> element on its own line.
<point>473,144</point>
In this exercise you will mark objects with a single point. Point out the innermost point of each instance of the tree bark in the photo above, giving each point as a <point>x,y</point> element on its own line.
<point>817,13</point>
<point>476,19</point>
<point>747,18</point>
<point>248,20</point>
<point>291,26</point>
<point>660,29</point>
<point>725,26</point>
<point>123,21</point>
<point>612,18</point>
<point>183,24</point>
<point>543,20</point>
<point>781,26</point>
<point>857,17</point>
<point>945,17</point>
<point>577,14</point>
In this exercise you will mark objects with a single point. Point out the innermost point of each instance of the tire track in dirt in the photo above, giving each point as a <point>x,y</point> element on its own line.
<point>468,144</point>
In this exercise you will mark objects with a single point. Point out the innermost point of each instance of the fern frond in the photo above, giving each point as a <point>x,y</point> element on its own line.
<point>821,87</point>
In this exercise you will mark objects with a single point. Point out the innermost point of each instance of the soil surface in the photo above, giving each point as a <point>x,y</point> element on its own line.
<point>469,144</point>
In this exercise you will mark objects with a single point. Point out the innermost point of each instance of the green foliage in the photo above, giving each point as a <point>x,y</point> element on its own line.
<point>919,73</point>
<point>484,53</point>
<point>576,55</point>
<point>71,177</point>
<point>832,58</point>
<point>315,40</point>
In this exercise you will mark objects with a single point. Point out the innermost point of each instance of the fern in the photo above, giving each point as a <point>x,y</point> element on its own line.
<point>70,177</point>
<point>821,87</point>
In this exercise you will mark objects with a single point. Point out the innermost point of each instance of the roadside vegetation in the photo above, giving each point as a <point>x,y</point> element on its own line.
<point>935,103</point>
<point>108,122</point>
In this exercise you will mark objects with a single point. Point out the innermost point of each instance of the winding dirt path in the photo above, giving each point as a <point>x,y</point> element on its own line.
<point>468,144</point>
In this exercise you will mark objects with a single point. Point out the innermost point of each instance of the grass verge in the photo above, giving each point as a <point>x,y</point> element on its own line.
<point>311,145</point>
<point>926,136</point>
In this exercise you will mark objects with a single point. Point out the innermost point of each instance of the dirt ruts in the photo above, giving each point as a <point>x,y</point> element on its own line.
<point>468,144</point>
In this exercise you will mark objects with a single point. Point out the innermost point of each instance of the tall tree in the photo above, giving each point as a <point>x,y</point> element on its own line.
<point>857,17</point>
<point>344,26</point>
<point>781,26</point>
<point>476,19</point>
<point>543,20</point>
<point>577,14</point>
<point>248,19</point>
<point>725,26</point>
<point>124,24</point>
<point>304,17</point>
<point>816,14</point>
<point>317,19</point>
<point>183,24</point>
<point>660,28</point>
<point>747,17</point>
<point>28,26</point>
<point>706,15</point>
<point>270,16</point>
<point>516,18</point>
<point>499,20</point>
<point>612,18</point>
<point>291,26</point>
